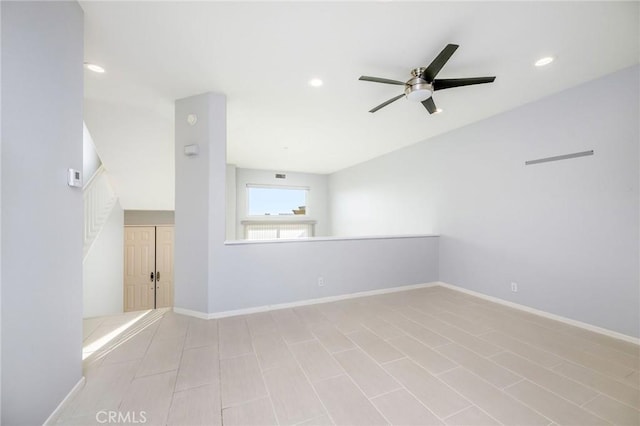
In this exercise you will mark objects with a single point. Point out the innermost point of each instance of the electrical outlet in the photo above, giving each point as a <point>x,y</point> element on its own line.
<point>320,282</point>
<point>514,287</point>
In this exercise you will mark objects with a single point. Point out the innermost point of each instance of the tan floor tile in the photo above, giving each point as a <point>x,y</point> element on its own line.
<point>201,333</point>
<point>172,326</point>
<point>610,354</point>
<point>613,411</point>
<point>375,347</point>
<point>400,408</point>
<point>570,349</point>
<point>196,407</point>
<point>134,347</point>
<point>601,339</point>
<point>151,394</point>
<point>381,328</point>
<point>546,359</point>
<point>472,416</point>
<point>557,409</point>
<point>601,383</point>
<point>101,333</point>
<point>517,342</point>
<point>254,413</point>
<point>426,357</point>
<point>470,327</point>
<point>418,332</point>
<point>490,399</point>
<point>240,380</point>
<point>163,355</point>
<point>290,327</point>
<point>345,322</point>
<point>234,337</point>
<point>310,314</point>
<point>318,421</point>
<point>488,370</point>
<point>435,395</point>
<point>272,351</point>
<point>366,373</point>
<point>315,360</point>
<point>566,388</point>
<point>293,397</point>
<point>89,325</point>
<point>454,334</point>
<point>346,404</point>
<point>261,323</point>
<point>331,338</point>
<point>104,388</point>
<point>198,366</point>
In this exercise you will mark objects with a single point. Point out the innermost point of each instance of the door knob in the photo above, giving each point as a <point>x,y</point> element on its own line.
<point>158,276</point>
<point>151,276</point>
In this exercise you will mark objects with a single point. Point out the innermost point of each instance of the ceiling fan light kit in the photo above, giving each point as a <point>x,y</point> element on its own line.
<point>422,84</point>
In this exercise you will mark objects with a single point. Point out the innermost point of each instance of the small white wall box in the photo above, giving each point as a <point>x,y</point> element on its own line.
<point>75,178</point>
<point>191,150</point>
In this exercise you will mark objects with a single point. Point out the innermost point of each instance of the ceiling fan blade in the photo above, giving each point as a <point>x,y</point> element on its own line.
<point>430,105</point>
<point>448,83</point>
<point>381,80</point>
<point>434,68</point>
<point>384,104</point>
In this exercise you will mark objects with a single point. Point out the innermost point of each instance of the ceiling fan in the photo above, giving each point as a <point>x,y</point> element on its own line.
<point>423,82</point>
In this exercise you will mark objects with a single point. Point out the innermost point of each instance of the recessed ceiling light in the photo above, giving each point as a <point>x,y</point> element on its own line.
<point>544,61</point>
<point>315,82</point>
<point>94,67</point>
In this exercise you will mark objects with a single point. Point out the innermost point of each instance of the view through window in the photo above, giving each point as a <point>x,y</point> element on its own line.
<point>265,200</point>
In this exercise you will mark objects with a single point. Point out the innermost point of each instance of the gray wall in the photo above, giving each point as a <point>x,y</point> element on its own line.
<point>42,75</point>
<point>238,276</point>
<point>259,274</point>
<point>192,214</point>
<point>149,217</point>
<point>103,269</point>
<point>567,232</point>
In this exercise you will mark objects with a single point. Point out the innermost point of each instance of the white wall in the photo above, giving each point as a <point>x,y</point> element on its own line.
<point>317,198</point>
<point>90,159</point>
<point>567,232</point>
<point>42,232</point>
<point>244,275</point>
<point>103,269</point>
<point>149,217</point>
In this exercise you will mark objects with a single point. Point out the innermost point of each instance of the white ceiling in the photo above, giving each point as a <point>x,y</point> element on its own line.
<point>261,55</point>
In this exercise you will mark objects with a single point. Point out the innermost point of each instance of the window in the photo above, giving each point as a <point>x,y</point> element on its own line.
<point>277,230</point>
<point>276,200</point>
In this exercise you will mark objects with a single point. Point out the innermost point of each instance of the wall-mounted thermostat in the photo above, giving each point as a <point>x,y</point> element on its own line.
<point>75,178</point>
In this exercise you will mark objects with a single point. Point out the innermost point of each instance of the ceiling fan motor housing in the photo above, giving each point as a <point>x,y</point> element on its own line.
<point>418,89</point>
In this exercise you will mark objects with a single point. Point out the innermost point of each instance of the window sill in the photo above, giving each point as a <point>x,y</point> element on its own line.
<point>319,239</point>
<point>271,219</point>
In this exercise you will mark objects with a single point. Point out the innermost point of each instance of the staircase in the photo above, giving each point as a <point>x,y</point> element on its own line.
<point>99,199</point>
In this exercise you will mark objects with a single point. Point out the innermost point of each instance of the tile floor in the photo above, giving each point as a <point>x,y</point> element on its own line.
<point>420,357</point>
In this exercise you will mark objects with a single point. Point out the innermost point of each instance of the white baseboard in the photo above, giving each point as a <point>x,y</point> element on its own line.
<point>580,324</point>
<point>191,313</point>
<point>51,420</point>
<point>305,302</point>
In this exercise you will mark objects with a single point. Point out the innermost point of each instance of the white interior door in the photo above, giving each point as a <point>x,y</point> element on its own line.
<point>139,268</point>
<point>164,266</point>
